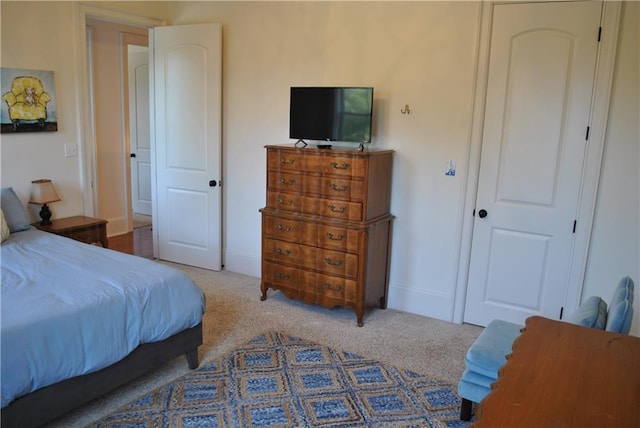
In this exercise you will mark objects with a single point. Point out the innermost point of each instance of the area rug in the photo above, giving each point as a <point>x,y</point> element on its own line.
<point>276,380</point>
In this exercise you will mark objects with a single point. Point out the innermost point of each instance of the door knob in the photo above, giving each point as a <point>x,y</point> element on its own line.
<point>482,213</point>
<point>213,183</point>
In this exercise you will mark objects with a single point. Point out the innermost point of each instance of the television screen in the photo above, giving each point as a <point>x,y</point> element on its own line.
<point>331,114</point>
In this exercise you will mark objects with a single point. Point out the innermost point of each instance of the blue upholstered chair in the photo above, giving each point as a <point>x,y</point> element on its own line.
<point>488,353</point>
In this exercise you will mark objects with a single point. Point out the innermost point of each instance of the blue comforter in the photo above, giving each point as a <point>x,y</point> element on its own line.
<point>70,308</point>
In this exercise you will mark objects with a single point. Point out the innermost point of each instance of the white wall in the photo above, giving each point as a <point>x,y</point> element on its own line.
<point>416,53</point>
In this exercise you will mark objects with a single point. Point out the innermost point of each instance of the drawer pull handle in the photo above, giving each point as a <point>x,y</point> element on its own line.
<point>288,182</point>
<point>283,252</point>
<point>281,275</point>
<point>284,228</point>
<point>333,208</point>
<point>330,235</point>
<point>339,189</point>
<point>332,263</point>
<point>333,287</point>
<point>335,165</point>
<point>287,162</point>
<point>283,202</point>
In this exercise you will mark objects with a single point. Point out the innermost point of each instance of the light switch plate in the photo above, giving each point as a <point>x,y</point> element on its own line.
<point>70,150</point>
<point>451,168</point>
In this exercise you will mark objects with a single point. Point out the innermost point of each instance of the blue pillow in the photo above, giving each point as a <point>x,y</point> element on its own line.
<point>14,212</point>
<point>592,313</point>
<point>619,319</point>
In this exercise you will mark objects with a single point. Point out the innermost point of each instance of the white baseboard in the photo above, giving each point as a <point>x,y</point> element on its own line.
<point>430,304</point>
<point>117,226</point>
<point>244,263</point>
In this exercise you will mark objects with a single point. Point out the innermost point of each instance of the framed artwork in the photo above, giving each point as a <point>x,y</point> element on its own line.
<point>28,101</point>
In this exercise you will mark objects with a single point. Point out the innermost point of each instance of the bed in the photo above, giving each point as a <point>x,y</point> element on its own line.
<point>78,320</point>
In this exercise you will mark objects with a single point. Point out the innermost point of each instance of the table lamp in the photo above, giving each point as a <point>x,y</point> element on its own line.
<point>43,192</point>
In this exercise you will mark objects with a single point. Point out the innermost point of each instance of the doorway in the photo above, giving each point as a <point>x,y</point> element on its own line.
<point>120,106</point>
<point>135,77</point>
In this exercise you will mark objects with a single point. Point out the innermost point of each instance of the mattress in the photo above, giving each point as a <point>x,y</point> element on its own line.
<point>69,308</point>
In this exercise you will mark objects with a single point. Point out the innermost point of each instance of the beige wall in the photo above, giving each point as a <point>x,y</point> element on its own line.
<point>26,157</point>
<point>416,53</point>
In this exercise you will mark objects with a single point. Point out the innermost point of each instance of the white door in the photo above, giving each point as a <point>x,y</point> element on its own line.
<point>187,126</point>
<point>540,81</point>
<point>139,139</point>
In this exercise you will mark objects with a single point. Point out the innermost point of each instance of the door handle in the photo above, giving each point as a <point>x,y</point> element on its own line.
<point>133,155</point>
<point>213,183</point>
<point>482,213</point>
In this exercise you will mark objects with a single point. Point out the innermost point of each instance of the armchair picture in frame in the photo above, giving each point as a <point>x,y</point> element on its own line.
<point>28,101</point>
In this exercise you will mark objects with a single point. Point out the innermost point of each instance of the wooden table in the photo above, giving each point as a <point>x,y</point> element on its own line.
<point>564,375</point>
<point>80,228</point>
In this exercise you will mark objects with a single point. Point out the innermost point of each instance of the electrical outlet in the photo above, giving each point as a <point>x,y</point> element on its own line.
<point>70,150</point>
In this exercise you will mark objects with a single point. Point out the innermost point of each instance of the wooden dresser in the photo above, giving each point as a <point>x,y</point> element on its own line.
<point>326,227</point>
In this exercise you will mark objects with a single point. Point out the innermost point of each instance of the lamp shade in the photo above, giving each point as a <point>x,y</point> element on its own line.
<point>43,192</point>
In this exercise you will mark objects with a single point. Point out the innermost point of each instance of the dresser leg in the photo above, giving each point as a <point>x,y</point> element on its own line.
<point>264,293</point>
<point>360,316</point>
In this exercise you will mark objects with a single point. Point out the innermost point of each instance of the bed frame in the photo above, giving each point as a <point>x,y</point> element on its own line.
<point>48,403</point>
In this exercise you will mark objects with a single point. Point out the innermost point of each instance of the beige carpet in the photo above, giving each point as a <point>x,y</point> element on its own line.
<point>235,314</point>
<point>141,220</point>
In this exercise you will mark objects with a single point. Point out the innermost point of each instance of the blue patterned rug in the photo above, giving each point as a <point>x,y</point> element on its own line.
<point>277,380</point>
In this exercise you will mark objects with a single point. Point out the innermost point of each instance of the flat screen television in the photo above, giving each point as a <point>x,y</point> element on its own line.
<point>331,114</point>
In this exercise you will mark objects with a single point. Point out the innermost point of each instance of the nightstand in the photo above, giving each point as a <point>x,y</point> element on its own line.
<point>84,229</point>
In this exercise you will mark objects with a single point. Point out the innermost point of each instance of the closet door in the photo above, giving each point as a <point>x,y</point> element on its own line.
<point>540,83</point>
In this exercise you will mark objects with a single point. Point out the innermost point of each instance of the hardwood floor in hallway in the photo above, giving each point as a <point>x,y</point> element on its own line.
<point>139,242</point>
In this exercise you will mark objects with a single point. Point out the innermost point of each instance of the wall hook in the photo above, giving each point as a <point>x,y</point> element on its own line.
<point>406,109</point>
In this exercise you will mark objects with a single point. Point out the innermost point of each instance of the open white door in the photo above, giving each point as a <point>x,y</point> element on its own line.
<point>139,141</point>
<point>539,93</point>
<point>186,94</point>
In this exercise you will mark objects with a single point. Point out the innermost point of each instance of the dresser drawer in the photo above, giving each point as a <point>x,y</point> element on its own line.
<point>340,289</point>
<point>333,187</point>
<point>333,208</point>
<point>346,166</point>
<point>287,181</point>
<point>286,277</point>
<point>338,238</point>
<point>330,208</point>
<point>310,286</point>
<point>336,188</point>
<point>314,234</point>
<point>87,236</point>
<point>290,230</point>
<point>285,160</point>
<point>328,261</point>
<point>323,163</point>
